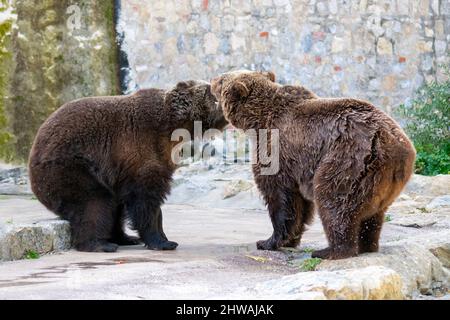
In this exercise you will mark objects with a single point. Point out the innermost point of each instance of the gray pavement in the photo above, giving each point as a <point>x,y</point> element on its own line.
<point>211,260</point>
<point>216,258</point>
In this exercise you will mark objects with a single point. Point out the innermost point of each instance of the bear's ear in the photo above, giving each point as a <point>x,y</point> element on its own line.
<point>269,75</point>
<point>239,90</point>
<point>184,84</point>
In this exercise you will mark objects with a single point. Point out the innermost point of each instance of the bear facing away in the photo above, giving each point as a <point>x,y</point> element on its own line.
<point>98,161</point>
<point>343,157</point>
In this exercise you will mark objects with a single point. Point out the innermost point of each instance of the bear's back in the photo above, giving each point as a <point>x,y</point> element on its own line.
<point>75,120</point>
<point>82,125</point>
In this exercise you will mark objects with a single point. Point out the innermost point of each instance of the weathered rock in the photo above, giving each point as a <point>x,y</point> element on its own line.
<point>441,202</point>
<point>16,175</point>
<point>16,242</point>
<point>421,261</point>
<point>420,270</point>
<point>442,253</point>
<point>220,185</point>
<point>418,220</point>
<point>44,237</point>
<point>431,186</point>
<point>59,231</point>
<point>415,206</point>
<point>424,46</point>
<point>235,187</point>
<point>384,46</point>
<point>370,283</point>
<point>14,182</point>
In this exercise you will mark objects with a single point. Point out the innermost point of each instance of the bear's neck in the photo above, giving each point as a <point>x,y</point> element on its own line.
<point>260,110</point>
<point>263,108</point>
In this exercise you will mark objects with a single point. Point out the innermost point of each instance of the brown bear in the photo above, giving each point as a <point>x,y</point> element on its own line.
<point>340,156</point>
<point>98,161</point>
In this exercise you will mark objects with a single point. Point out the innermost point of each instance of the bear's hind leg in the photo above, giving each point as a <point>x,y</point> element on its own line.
<point>342,234</point>
<point>385,193</point>
<point>71,192</point>
<point>370,231</point>
<point>340,217</point>
<point>92,226</point>
<point>118,233</point>
<point>343,189</point>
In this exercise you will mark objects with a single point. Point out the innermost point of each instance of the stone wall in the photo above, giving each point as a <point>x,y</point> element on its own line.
<point>380,50</point>
<point>52,52</point>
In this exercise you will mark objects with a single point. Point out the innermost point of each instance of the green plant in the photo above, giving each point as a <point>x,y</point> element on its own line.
<point>308,250</point>
<point>387,218</point>
<point>428,125</point>
<point>310,264</point>
<point>31,254</point>
<point>432,161</point>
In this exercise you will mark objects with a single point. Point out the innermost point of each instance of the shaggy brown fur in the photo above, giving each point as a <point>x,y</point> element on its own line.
<point>97,161</point>
<point>342,157</point>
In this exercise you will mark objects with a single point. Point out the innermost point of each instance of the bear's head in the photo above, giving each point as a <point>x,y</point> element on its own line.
<point>193,100</point>
<point>234,89</point>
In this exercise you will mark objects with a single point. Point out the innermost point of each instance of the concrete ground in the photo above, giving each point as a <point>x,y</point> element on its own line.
<point>216,258</point>
<point>209,262</point>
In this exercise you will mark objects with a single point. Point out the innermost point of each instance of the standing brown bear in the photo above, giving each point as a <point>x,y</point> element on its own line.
<point>97,161</point>
<point>342,157</point>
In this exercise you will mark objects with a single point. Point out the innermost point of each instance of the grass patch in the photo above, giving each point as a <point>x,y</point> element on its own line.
<point>387,218</point>
<point>31,255</point>
<point>310,264</point>
<point>308,250</point>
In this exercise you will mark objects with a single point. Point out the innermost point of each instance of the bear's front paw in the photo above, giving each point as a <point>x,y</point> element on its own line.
<point>157,241</point>
<point>268,244</point>
<point>161,244</point>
